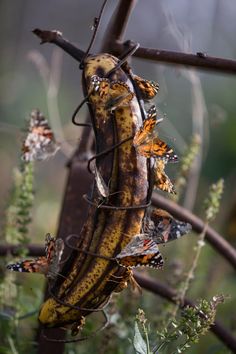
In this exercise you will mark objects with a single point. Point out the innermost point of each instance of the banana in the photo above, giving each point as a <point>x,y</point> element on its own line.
<point>87,280</point>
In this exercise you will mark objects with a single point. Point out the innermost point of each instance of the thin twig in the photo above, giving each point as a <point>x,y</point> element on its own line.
<point>213,237</point>
<point>169,293</point>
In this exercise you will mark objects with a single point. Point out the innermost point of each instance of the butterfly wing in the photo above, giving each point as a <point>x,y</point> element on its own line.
<point>166,228</point>
<point>40,142</point>
<point>120,95</point>
<point>101,185</point>
<point>148,89</point>
<point>161,180</point>
<point>37,265</point>
<point>54,250</point>
<point>155,147</point>
<point>141,251</point>
<point>147,128</point>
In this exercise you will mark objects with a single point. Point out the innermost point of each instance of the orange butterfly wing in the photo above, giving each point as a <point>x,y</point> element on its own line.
<point>161,180</point>
<point>148,89</point>
<point>147,127</point>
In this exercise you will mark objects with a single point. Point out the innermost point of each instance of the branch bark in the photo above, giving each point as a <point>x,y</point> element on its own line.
<point>169,293</point>
<point>213,237</point>
<point>199,60</point>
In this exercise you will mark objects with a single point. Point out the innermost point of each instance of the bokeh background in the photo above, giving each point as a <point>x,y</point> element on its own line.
<point>191,102</point>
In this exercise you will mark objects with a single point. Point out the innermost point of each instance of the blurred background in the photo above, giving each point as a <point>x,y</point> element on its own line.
<point>191,102</point>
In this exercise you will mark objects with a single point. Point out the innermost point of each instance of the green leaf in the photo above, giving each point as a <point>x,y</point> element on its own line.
<point>139,344</point>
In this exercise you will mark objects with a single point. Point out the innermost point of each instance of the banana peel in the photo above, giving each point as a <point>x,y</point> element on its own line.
<point>88,281</point>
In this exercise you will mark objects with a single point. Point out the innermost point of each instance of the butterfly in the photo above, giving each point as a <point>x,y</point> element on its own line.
<point>141,251</point>
<point>148,89</point>
<point>112,94</point>
<point>146,130</point>
<point>40,142</point>
<point>147,143</point>
<point>161,180</point>
<point>48,264</point>
<point>162,227</point>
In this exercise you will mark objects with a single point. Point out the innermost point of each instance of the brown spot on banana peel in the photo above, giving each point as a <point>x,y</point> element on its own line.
<point>87,282</point>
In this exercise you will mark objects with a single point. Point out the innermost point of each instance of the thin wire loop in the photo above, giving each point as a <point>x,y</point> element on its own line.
<point>124,58</point>
<point>104,206</point>
<point>107,151</point>
<point>96,24</point>
<point>77,110</point>
<point>84,251</point>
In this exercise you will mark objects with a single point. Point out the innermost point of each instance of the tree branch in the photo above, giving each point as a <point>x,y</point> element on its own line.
<point>213,237</point>
<point>168,293</point>
<point>199,60</point>
<point>118,24</point>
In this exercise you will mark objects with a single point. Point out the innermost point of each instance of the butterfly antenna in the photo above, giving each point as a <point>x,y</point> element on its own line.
<point>96,24</point>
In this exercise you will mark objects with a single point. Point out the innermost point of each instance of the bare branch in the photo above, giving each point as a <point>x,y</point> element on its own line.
<point>200,60</point>
<point>117,26</point>
<point>56,38</point>
<point>169,293</point>
<point>213,237</point>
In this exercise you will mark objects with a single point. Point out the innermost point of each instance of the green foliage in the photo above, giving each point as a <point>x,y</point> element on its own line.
<point>212,202</point>
<point>18,217</point>
<point>192,323</point>
<point>141,346</point>
<point>185,330</point>
<point>18,212</point>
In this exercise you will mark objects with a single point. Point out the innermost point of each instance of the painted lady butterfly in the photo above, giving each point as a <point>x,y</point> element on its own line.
<point>161,180</point>
<point>162,227</point>
<point>113,94</point>
<point>147,142</point>
<point>148,89</point>
<point>40,142</point>
<point>141,251</point>
<point>146,130</point>
<point>47,265</point>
